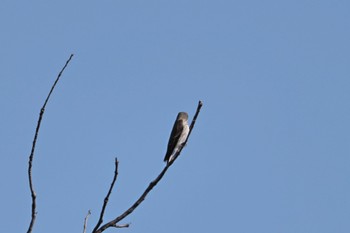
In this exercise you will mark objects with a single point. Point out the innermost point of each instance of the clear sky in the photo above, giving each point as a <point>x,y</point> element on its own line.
<point>270,151</point>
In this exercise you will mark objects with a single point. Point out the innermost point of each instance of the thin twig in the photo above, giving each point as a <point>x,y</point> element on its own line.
<point>31,156</point>
<point>85,221</point>
<point>200,104</point>
<point>122,226</point>
<point>114,222</point>
<point>100,221</point>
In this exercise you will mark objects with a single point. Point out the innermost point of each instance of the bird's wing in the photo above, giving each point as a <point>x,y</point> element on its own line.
<point>174,138</point>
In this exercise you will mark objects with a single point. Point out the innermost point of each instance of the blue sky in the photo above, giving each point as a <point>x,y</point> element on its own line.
<point>269,153</point>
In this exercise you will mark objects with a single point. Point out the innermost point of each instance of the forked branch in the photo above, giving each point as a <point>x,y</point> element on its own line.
<point>114,222</point>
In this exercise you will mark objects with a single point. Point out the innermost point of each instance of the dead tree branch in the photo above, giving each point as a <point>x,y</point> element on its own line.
<point>31,156</point>
<point>85,221</point>
<point>100,221</point>
<point>113,223</point>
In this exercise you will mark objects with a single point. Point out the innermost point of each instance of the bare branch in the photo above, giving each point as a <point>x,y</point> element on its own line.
<point>122,226</point>
<point>100,221</point>
<point>200,104</point>
<point>114,222</point>
<point>31,156</point>
<point>85,221</point>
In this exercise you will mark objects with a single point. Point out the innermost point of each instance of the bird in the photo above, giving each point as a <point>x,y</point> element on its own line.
<point>178,136</point>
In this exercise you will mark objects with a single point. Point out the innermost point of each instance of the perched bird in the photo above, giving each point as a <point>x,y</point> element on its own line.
<point>177,137</point>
